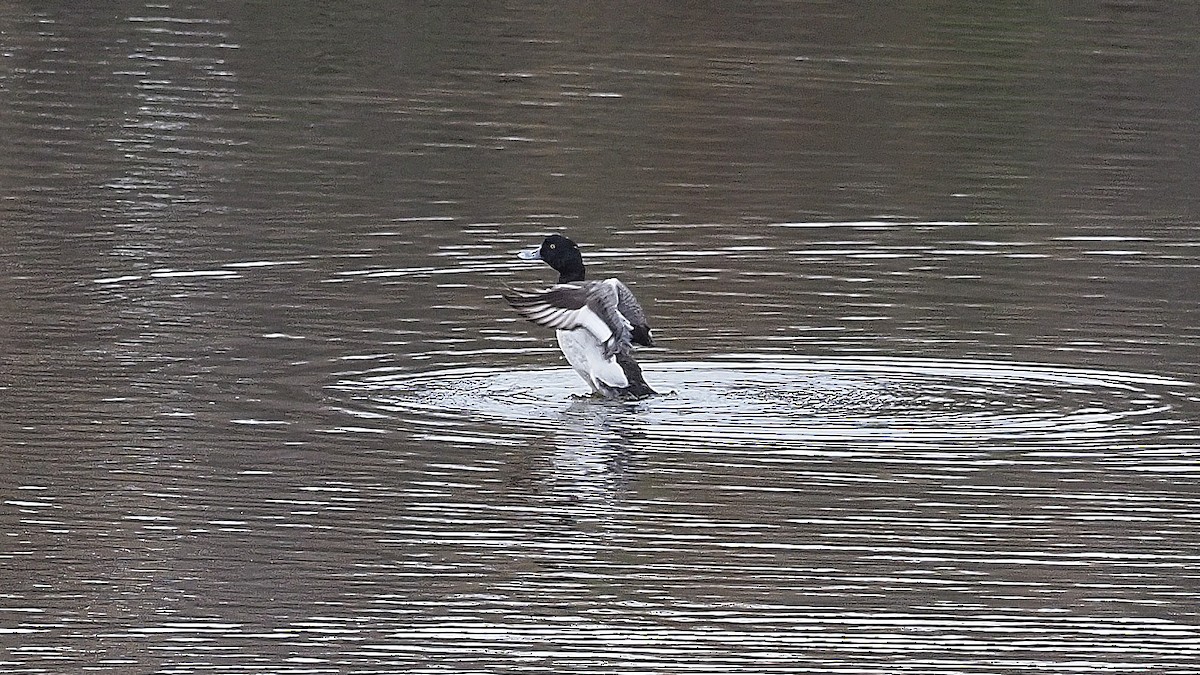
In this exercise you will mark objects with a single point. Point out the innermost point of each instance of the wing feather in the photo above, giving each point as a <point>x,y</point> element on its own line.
<point>628,306</point>
<point>591,306</point>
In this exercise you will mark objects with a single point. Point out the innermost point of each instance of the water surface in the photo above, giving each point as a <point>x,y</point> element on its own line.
<point>923,284</point>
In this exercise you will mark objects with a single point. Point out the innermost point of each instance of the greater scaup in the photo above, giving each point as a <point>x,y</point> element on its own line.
<point>597,322</point>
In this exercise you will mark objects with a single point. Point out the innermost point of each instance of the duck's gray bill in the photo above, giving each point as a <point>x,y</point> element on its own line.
<point>533,254</point>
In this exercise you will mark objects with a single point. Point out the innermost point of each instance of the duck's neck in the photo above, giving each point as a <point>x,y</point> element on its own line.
<point>571,273</point>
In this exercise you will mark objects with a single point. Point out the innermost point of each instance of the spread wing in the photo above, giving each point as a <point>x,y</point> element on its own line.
<point>591,306</point>
<point>628,306</point>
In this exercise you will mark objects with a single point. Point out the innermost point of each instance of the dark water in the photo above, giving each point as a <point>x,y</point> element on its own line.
<point>925,284</point>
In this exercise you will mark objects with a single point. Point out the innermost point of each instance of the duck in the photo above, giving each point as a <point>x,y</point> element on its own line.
<point>596,322</point>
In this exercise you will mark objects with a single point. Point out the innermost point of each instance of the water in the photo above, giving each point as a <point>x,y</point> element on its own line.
<point>924,286</point>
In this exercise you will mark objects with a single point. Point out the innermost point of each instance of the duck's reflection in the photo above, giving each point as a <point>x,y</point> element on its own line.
<point>594,447</point>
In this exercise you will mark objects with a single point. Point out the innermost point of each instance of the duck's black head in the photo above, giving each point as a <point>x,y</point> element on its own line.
<point>560,253</point>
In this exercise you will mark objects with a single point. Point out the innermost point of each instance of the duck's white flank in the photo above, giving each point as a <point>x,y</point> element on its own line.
<point>586,355</point>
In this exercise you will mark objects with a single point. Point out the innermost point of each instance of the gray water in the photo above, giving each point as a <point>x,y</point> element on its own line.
<point>924,283</point>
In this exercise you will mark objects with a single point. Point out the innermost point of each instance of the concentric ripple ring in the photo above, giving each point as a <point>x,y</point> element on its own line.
<point>769,401</point>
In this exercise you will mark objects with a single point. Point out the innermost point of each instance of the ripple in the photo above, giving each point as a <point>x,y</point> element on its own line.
<point>790,403</point>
